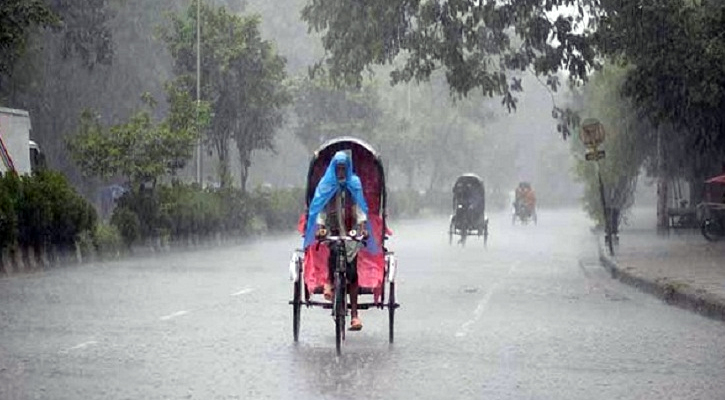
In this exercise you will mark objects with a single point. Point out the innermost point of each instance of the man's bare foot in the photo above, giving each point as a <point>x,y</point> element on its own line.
<point>328,291</point>
<point>355,324</point>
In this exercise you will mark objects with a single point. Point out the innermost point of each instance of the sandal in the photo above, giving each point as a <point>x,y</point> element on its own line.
<point>328,291</point>
<point>355,324</point>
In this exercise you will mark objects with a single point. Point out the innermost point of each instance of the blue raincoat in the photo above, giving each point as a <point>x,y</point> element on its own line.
<point>326,190</point>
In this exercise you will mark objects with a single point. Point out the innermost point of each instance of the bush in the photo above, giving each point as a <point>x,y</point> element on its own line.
<point>235,213</point>
<point>180,211</point>
<point>41,210</point>
<point>70,214</point>
<point>9,189</point>
<point>278,209</point>
<point>107,240</point>
<point>146,221</point>
<point>128,225</point>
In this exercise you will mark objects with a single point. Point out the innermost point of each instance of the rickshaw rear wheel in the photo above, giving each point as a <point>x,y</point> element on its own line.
<point>451,230</point>
<point>391,313</point>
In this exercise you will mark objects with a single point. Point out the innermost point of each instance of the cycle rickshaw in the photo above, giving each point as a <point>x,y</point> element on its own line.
<point>524,207</point>
<point>375,270</point>
<point>469,209</point>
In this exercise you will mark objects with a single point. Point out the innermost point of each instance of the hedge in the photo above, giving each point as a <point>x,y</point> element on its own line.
<point>42,212</point>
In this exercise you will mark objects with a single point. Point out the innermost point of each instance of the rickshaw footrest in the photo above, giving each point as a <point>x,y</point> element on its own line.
<point>360,306</point>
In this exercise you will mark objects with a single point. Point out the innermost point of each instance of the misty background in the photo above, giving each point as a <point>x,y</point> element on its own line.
<point>475,134</point>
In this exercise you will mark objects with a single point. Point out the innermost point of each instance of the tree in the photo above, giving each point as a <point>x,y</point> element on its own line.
<point>677,50</point>
<point>81,27</point>
<point>324,111</point>
<point>477,42</point>
<point>242,78</point>
<point>139,150</point>
<point>18,18</point>
<point>629,143</point>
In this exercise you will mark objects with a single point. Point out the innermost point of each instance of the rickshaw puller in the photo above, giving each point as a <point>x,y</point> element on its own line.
<point>338,187</point>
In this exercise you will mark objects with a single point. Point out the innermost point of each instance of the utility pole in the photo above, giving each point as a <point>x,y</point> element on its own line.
<point>592,134</point>
<point>199,152</point>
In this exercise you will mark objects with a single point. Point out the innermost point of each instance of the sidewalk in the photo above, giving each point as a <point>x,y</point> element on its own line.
<point>681,268</point>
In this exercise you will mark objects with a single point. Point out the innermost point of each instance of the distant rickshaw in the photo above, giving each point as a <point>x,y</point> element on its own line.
<point>524,206</point>
<point>469,209</point>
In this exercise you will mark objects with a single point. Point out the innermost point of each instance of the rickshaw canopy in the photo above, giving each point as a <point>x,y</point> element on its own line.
<point>473,180</point>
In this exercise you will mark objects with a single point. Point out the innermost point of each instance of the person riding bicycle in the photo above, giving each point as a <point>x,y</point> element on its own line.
<point>462,202</point>
<point>525,199</point>
<point>337,208</point>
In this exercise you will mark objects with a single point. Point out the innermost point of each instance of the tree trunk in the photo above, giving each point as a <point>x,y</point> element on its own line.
<point>222,148</point>
<point>244,174</point>
<point>662,214</point>
<point>224,174</point>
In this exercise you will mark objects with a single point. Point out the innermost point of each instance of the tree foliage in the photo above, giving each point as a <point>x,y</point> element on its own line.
<point>630,143</point>
<point>17,19</point>
<point>324,111</point>
<point>678,48</point>
<point>242,77</point>
<point>478,43</point>
<point>139,149</point>
<point>81,25</point>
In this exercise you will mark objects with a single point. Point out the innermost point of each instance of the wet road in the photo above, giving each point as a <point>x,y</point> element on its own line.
<point>533,316</point>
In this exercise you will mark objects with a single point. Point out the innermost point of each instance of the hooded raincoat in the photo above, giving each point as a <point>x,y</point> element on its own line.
<point>326,190</point>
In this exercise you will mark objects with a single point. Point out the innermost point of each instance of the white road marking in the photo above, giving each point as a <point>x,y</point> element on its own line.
<point>80,346</point>
<point>243,291</point>
<point>481,307</point>
<point>174,315</point>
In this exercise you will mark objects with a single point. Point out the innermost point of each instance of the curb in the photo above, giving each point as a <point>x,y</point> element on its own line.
<point>684,297</point>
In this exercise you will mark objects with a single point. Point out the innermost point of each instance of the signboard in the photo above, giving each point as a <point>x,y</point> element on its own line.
<point>594,155</point>
<point>591,132</point>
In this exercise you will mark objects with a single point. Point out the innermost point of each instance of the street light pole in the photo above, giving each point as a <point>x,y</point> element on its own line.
<point>607,218</point>
<point>199,152</point>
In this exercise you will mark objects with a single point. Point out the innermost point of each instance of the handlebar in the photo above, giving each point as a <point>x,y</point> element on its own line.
<point>352,237</point>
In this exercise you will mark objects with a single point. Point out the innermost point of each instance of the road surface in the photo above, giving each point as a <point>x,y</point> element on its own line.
<point>532,316</point>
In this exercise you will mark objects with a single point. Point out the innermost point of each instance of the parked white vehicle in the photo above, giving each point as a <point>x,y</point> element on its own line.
<point>17,152</point>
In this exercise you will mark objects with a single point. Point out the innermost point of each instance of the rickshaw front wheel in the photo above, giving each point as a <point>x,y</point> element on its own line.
<point>485,233</point>
<point>297,308</point>
<point>340,310</point>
